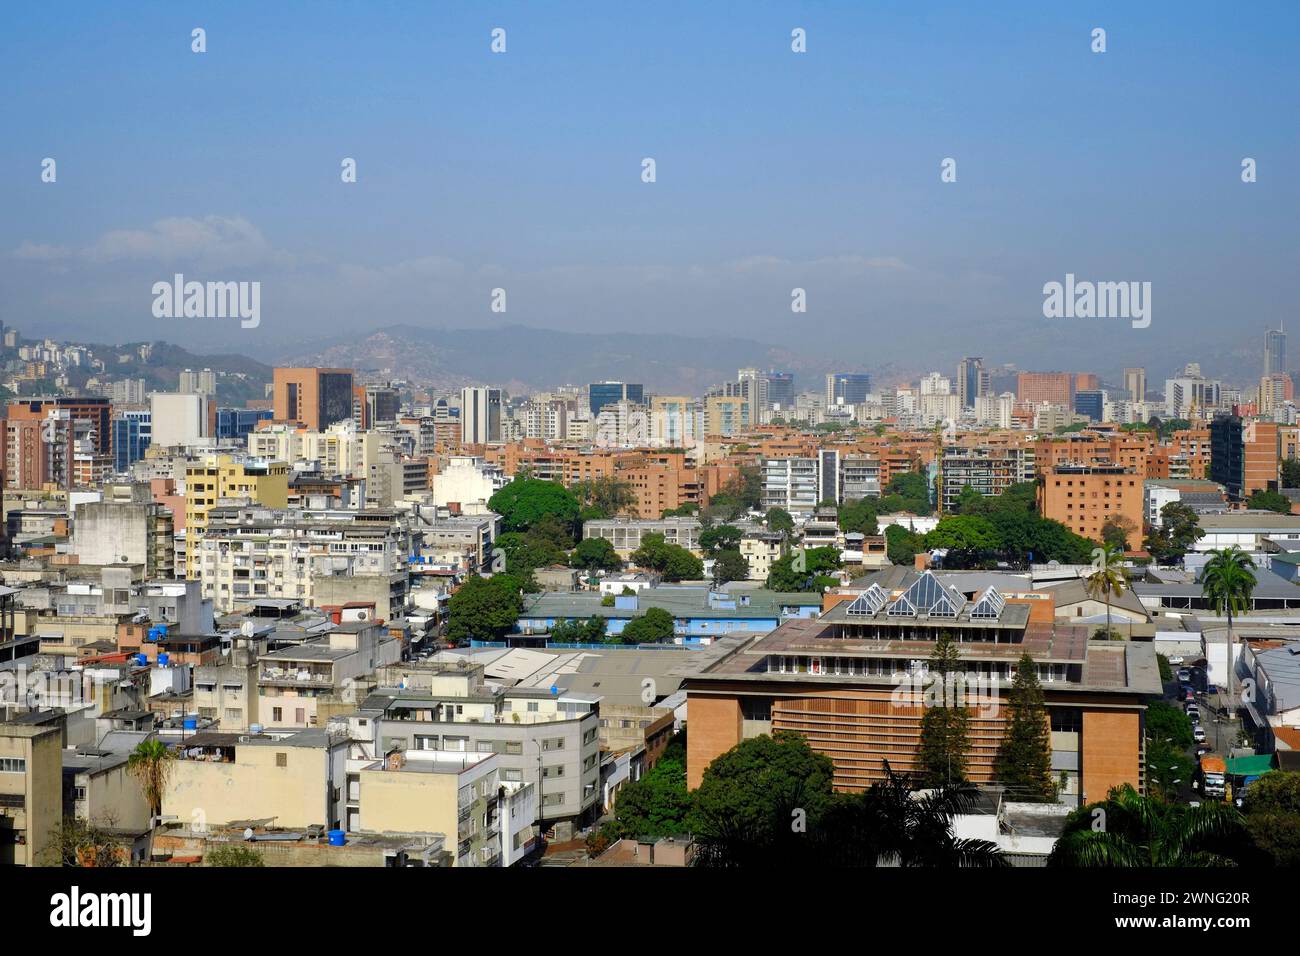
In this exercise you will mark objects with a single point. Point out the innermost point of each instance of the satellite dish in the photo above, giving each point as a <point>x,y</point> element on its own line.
<point>248,833</point>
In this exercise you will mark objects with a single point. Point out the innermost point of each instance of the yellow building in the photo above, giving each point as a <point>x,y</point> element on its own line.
<point>220,477</point>
<point>222,778</point>
<point>454,794</point>
<point>31,793</point>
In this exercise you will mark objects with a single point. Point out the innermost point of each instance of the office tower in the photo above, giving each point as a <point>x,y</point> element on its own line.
<point>847,388</point>
<point>314,397</point>
<point>780,391</point>
<point>600,394</point>
<point>1090,402</point>
<point>1244,455</point>
<point>1135,383</point>
<point>1274,352</point>
<point>132,434</point>
<point>373,404</point>
<point>236,423</point>
<point>972,381</point>
<point>94,413</point>
<point>480,415</point>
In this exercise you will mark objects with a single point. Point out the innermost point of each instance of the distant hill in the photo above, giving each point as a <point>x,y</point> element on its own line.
<point>238,377</point>
<point>520,358</point>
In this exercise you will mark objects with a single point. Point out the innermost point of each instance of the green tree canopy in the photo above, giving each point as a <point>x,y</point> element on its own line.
<point>655,626</point>
<point>1269,501</point>
<point>1024,761</point>
<point>484,609</point>
<point>596,554</point>
<point>730,566</point>
<point>524,502</point>
<point>1178,531</point>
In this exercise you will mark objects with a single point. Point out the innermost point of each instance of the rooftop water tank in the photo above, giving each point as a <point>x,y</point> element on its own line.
<point>338,838</point>
<point>141,660</point>
<point>163,659</point>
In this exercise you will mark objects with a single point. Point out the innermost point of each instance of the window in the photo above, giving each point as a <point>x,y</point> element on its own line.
<point>13,765</point>
<point>282,760</point>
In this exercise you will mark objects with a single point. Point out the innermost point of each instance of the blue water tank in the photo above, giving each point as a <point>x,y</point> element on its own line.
<point>157,632</point>
<point>191,723</point>
<point>163,659</point>
<point>141,660</point>
<point>338,838</point>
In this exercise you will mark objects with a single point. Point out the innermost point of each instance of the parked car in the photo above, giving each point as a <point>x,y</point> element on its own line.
<point>1176,660</point>
<point>1202,749</point>
<point>1189,693</point>
<point>1184,675</point>
<point>1198,734</point>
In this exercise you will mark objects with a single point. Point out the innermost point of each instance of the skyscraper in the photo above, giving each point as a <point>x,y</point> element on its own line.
<point>314,397</point>
<point>480,415</point>
<point>1274,351</point>
<point>1135,383</point>
<point>600,394</point>
<point>847,388</point>
<point>780,390</point>
<point>972,381</point>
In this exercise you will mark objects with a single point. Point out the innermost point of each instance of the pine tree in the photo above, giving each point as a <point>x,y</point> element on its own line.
<point>945,728</point>
<point>1025,759</point>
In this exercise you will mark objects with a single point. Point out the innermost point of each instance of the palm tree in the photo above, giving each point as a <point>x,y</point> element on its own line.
<point>1130,830</point>
<point>1227,583</point>
<point>150,765</point>
<point>1108,578</point>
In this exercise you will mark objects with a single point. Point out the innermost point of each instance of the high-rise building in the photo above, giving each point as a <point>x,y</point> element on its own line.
<point>480,415</point>
<point>373,404</point>
<point>1054,388</point>
<point>236,423</point>
<point>1090,402</point>
<point>314,397</point>
<point>780,391</point>
<point>179,419</point>
<point>1274,351</point>
<point>847,388</point>
<point>1135,383</point>
<point>972,381</point>
<point>1244,455</point>
<point>204,382</point>
<point>95,412</point>
<point>216,477</point>
<point>132,434</point>
<point>600,394</point>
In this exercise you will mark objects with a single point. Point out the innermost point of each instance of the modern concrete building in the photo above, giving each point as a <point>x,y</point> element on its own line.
<point>178,419</point>
<point>837,681</point>
<point>313,397</point>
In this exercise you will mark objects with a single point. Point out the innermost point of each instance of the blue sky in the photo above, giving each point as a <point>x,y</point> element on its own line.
<point>774,170</point>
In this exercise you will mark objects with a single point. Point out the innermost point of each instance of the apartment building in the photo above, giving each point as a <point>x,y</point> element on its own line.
<point>989,470</point>
<point>341,449</point>
<point>836,680</point>
<point>1085,497</point>
<point>1052,388</point>
<point>295,780</point>
<point>135,532</point>
<point>548,739</point>
<point>31,792</point>
<point>216,478</point>
<point>292,680</point>
<point>793,484</point>
<point>626,534</point>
